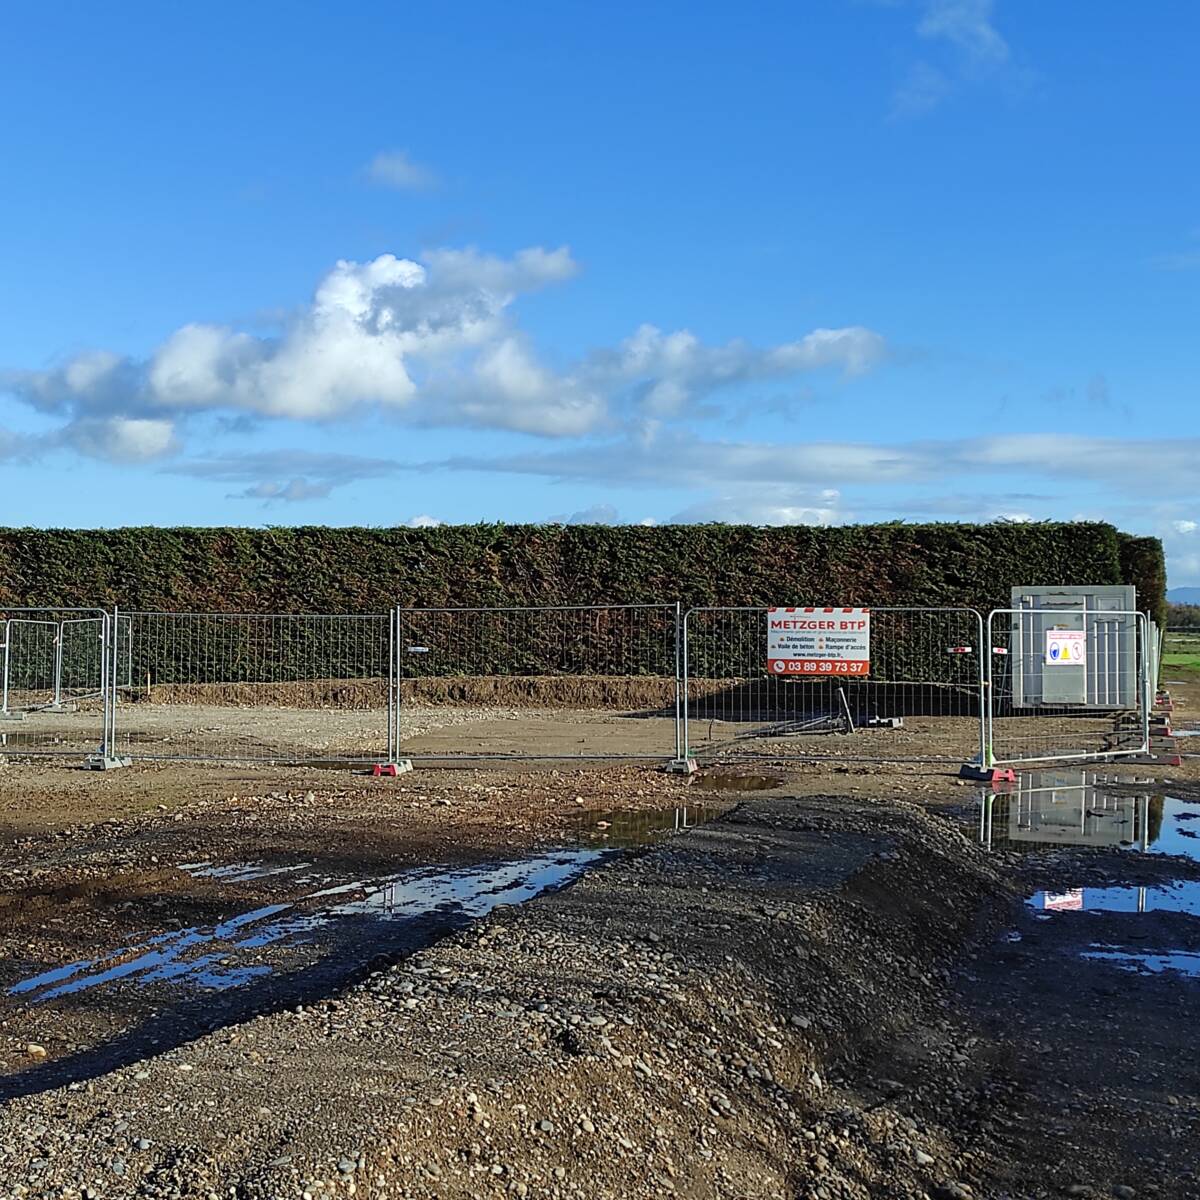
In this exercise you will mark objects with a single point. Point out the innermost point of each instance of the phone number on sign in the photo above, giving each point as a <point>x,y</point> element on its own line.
<point>817,666</point>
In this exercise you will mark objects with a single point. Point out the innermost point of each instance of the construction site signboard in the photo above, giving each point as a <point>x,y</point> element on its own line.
<point>819,641</point>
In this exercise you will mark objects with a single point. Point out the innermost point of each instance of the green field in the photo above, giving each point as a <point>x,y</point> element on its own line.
<point>1181,654</point>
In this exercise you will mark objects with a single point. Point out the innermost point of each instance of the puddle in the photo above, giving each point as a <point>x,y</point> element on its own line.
<point>241,872</point>
<point>1185,962</point>
<point>1179,897</point>
<point>630,830</point>
<point>1085,808</point>
<point>728,781</point>
<point>363,917</point>
<point>208,957</point>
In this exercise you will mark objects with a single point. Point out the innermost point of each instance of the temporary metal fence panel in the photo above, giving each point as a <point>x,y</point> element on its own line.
<point>1067,684</point>
<point>54,671</point>
<point>265,687</point>
<point>560,682</point>
<point>918,696</point>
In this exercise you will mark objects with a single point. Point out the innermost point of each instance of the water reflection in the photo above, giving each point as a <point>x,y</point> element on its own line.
<point>215,956</point>
<point>1083,808</point>
<point>1179,897</point>
<point>365,914</point>
<point>630,829</point>
<point>1185,962</point>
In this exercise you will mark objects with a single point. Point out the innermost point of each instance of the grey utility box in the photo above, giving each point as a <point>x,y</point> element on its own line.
<point>1075,647</point>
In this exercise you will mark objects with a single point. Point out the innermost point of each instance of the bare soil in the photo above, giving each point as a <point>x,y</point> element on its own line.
<point>814,995</point>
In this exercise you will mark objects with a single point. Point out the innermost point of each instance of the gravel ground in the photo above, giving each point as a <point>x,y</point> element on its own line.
<point>673,1023</point>
<point>817,994</point>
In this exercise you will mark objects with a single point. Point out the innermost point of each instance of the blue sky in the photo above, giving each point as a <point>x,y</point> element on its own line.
<point>377,263</point>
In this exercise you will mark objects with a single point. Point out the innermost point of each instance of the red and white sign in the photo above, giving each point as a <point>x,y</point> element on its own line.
<point>819,641</point>
<point>1066,648</point>
<point>1071,901</point>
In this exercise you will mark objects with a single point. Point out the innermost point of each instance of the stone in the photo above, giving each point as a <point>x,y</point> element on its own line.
<point>951,1191</point>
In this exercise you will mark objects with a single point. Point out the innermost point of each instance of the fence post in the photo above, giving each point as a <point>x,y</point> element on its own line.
<point>987,752</point>
<point>1147,686</point>
<point>396,764</point>
<point>683,763</point>
<point>391,693</point>
<point>107,759</point>
<point>7,639</point>
<point>56,703</point>
<point>109,643</point>
<point>678,684</point>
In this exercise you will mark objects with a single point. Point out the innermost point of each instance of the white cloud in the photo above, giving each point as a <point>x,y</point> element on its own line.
<point>597,514</point>
<point>923,89</point>
<point>422,521</point>
<point>434,342</point>
<point>121,439</point>
<point>747,510</point>
<point>288,476</point>
<point>669,457</point>
<point>1185,527</point>
<point>371,330</point>
<point>669,371</point>
<point>293,491</point>
<point>527,271</point>
<point>16,447</point>
<point>664,456</point>
<point>509,389</point>
<point>394,169</point>
<point>966,24</point>
<point>977,52</point>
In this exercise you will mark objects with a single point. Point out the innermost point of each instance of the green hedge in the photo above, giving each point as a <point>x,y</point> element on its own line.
<point>319,569</point>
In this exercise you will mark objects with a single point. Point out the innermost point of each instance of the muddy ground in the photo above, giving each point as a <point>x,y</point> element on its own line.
<point>563,718</point>
<point>829,990</point>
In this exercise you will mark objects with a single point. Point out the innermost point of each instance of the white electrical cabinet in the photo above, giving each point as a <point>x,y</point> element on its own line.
<point>1074,647</point>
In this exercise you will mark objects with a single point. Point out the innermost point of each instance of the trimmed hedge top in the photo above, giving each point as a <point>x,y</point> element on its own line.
<point>322,569</point>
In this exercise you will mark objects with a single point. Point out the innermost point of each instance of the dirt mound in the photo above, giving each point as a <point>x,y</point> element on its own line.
<point>651,693</point>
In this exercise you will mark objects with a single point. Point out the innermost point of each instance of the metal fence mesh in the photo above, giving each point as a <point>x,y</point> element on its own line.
<point>557,682</point>
<point>1066,684</point>
<point>241,686</point>
<point>53,681</point>
<point>570,682</point>
<point>921,700</point>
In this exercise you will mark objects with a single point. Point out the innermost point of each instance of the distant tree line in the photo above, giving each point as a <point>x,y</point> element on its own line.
<point>1183,616</point>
